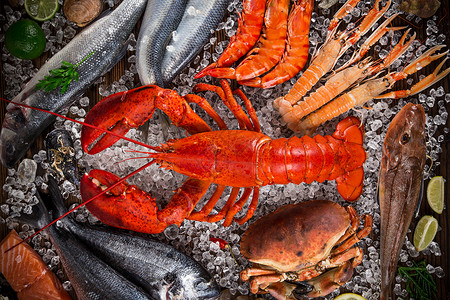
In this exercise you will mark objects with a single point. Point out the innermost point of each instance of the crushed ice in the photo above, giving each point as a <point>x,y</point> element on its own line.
<point>192,237</point>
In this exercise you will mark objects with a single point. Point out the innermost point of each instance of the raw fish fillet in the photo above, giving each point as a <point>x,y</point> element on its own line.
<point>27,274</point>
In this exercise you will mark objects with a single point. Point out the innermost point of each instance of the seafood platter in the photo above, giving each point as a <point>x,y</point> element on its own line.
<point>224,149</point>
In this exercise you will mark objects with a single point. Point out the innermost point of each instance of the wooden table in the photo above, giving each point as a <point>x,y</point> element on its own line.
<point>443,169</point>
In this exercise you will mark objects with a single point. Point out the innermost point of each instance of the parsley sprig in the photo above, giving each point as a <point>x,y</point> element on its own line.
<point>61,77</point>
<point>420,284</point>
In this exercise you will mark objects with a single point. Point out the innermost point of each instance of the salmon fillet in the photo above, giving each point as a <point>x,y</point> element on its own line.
<point>27,274</point>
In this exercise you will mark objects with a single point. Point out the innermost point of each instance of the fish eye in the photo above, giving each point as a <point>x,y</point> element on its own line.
<point>405,138</point>
<point>201,285</point>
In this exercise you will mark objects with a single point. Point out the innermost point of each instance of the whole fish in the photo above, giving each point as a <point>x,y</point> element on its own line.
<point>194,31</point>
<point>161,18</point>
<point>400,185</point>
<point>106,40</point>
<point>159,269</point>
<point>90,276</point>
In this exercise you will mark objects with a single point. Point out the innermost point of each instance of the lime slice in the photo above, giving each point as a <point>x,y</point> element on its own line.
<point>25,39</point>
<point>435,193</point>
<point>41,10</point>
<point>349,296</point>
<point>424,233</point>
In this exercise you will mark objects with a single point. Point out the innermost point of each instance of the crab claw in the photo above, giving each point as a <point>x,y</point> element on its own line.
<point>289,291</point>
<point>331,280</point>
<point>122,111</point>
<point>128,207</point>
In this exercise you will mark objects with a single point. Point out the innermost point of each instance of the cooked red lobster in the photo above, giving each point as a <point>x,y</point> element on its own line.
<point>243,158</point>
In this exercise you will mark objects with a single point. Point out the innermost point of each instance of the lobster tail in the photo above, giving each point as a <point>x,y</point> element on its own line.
<point>350,183</point>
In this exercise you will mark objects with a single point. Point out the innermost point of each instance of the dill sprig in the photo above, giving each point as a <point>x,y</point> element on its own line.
<point>61,77</point>
<point>420,284</point>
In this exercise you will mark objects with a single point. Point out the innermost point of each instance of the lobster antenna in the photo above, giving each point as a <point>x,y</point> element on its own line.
<point>82,123</point>
<point>84,203</point>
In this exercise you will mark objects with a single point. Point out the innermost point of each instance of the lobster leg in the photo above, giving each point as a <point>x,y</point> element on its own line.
<point>207,108</point>
<point>250,110</point>
<point>251,209</point>
<point>204,212</point>
<point>227,97</point>
<point>237,207</point>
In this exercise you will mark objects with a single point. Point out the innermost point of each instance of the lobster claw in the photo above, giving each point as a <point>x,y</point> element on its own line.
<point>128,207</point>
<point>118,113</point>
<point>122,111</point>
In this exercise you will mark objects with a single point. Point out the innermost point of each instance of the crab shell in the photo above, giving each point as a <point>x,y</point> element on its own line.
<point>295,236</point>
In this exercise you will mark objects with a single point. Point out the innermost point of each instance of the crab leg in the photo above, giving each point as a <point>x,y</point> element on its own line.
<point>355,238</point>
<point>331,280</point>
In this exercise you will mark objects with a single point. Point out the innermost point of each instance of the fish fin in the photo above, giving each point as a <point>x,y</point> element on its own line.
<point>39,217</point>
<point>377,193</point>
<point>121,53</point>
<point>419,202</point>
<point>103,14</point>
<point>54,194</point>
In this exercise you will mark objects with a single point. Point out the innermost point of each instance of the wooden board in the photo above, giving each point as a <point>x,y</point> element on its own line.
<point>443,169</point>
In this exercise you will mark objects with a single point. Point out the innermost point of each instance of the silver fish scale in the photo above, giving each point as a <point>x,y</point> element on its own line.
<point>161,18</point>
<point>107,37</point>
<point>90,277</point>
<point>200,17</point>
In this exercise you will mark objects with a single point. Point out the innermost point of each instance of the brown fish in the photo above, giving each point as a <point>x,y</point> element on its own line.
<point>399,185</point>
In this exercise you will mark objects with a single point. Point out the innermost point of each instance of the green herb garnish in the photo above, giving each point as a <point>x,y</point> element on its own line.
<point>420,284</point>
<point>61,77</point>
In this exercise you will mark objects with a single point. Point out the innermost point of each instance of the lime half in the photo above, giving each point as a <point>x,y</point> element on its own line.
<point>425,232</point>
<point>435,193</point>
<point>41,10</point>
<point>349,296</point>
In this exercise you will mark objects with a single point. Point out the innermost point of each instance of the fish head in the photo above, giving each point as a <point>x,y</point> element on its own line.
<point>195,285</point>
<point>405,138</point>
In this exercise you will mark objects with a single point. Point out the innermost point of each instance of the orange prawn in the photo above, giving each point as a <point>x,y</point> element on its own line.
<point>250,23</point>
<point>296,53</point>
<point>269,51</point>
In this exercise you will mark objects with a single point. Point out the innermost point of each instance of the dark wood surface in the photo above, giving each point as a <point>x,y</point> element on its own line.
<point>443,169</point>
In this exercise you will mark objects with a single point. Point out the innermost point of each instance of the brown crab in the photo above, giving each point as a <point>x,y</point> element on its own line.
<point>307,242</point>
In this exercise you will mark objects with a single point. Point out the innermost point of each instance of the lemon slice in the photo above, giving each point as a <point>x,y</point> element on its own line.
<point>41,10</point>
<point>425,232</point>
<point>349,296</point>
<point>435,193</point>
